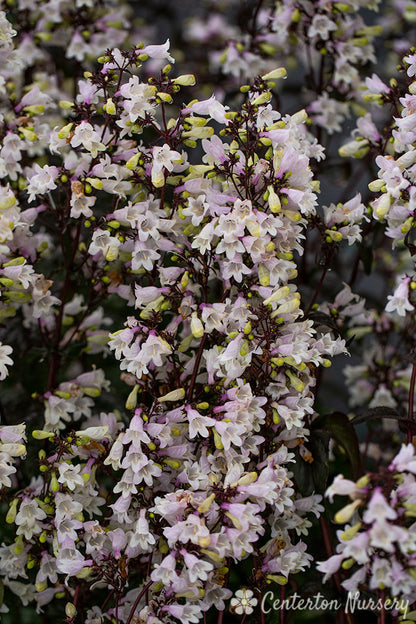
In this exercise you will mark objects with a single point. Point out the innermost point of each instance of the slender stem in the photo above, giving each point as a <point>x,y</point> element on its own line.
<point>116,608</point>
<point>136,602</point>
<point>149,567</point>
<point>220,619</point>
<point>196,367</point>
<point>411,402</point>
<point>321,281</point>
<point>328,547</point>
<point>56,352</point>
<point>282,604</point>
<point>382,618</point>
<point>107,599</point>
<point>3,420</point>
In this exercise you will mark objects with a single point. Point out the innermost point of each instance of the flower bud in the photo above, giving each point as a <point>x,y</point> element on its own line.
<point>217,440</point>
<point>275,74</point>
<point>172,463</point>
<point>54,483</point>
<point>34,109</point>
<point>344,514</point>
<point>382,206</point>
<point>278,294</point>
<point>186,80</point>
<point>199,132</point>
<point>133,161</point>
<point>351,531</point>
<point>41,586</point>
<point>185,343</point>
<point>236,522</point>
<point>277,578</point>
<point>132,398</point>
<point>165,97</point>
<point>245,348</point>
<point>70,610</point>
<point>247,479</point>
<point>175,395</point>
<point>263,98</point>
<point>206,504</point>
<point>11,514</point>
<point>212,555</point>
<point>357,149</point>
<point>94,433</point>
<point>65,104</point>
<point>264,275</point>
<point>95,183</point>
<point>376,185</point>
<point>112,253</point>
<point>39,434</point>
<point>13,449</point>
<point>65,131</point>
<point>295,382</point>
<point>274,201</point>
<point>197,327</point>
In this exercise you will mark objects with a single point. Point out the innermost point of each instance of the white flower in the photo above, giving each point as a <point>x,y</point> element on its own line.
<point>163,157</point>
<point>42,180</point>
<point>5,360</point>
<point>399,301</point>
<point>103,242</point>
<point>69,475</point>
<point>243,602</point>
<point>86,136</point>
<point>5,470</point>
<point>27,518</point>
<point>158,51</point>
<point>139,98</point>
<point>321,26</point>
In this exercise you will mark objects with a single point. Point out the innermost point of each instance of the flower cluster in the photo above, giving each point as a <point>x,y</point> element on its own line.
<point>178,271</point>
<point>377,549</point>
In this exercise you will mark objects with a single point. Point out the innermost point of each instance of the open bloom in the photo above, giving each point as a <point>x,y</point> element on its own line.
<point>5,360</point>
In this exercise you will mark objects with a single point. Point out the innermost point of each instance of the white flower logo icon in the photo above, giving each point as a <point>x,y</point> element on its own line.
<point>243,601</point>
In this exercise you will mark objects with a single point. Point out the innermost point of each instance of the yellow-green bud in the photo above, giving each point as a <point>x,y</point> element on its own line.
<point>132,398</point>
<point>376,185</point>
<point>164,97</point>
<point>54,483</point>
<point>263,98</point>
<point>95,183</point>
<point>344,514</point>
<point>186,80</point>
<point>275,74</point>
<point>34,109</point>
<point>197,327</point>
<point>70,610</point>
<point>65,104</point>
<point>110,107</point>
<point>217,440</point>
<point>351,531</point>
<point>11,514</point>
<point>264,275</point>
<point>175,395</point>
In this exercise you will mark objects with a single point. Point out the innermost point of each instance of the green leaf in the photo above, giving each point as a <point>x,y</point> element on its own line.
<point>342,431</point>
<point>366,255</point>
<point>302,475</point>
<point>312,477</point>
<point>319,444</point>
